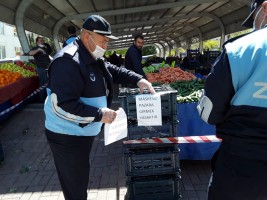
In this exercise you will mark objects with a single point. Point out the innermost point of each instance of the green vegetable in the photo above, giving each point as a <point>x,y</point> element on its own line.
<point>188,91</point>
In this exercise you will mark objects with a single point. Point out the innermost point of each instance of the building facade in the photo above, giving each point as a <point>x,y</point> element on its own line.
<point>9,42</point>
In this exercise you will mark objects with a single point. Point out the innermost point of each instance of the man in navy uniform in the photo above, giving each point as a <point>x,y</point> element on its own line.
<point>235,101</point>
<point>79,97</point>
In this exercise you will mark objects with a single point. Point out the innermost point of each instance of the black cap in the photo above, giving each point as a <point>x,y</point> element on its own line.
<point>249,20</point>
<point>98,24</point>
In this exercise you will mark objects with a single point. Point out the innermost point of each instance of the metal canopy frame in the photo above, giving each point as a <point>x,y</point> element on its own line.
<point>158,20</point>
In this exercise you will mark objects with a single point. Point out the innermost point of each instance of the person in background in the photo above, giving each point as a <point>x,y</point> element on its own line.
<point>72,35</point>
<point>79,102</point>
<point>41,53</point>
<point>184,63</point>
<point>235,101</point>
<point>133,57</point>
<point>114,59</point>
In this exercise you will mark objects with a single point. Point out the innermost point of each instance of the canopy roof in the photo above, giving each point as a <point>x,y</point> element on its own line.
<point>175,22</point>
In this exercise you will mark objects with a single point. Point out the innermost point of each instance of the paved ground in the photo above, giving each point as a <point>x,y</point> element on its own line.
<point>28,172</point>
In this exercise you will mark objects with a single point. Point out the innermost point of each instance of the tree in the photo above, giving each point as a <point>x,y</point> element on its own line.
<point>211,45</point>
<point>31,40</point>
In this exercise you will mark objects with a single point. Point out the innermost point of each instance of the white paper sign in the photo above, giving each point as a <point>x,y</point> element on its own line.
<point>148,108</point>
<point>117,129</point>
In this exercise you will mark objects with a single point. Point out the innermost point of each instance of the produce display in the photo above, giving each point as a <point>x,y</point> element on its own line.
<point>188,86</point>
<point>17,83</point>
<point>170,75</point>
<point>154,68</point>
<point>27,65</point>
<point>7,77</point>
<point>188,91</point>
<point>24,70</point>
<point>10,72</point>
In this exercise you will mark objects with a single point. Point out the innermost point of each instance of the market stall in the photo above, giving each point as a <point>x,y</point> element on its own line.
<point>189,88</point>
<point>18,90</point>
<point>17,81</point>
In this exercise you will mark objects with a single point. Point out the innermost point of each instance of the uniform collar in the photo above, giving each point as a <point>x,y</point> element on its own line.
<point>84,53</point>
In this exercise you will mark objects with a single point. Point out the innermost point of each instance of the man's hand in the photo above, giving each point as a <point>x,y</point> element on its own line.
<point>108,115</point>
<point>144,84</point>
<point>38,50</point>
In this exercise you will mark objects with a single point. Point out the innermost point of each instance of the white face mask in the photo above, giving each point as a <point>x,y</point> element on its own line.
<point>41,45</point>
<point>98,52</point>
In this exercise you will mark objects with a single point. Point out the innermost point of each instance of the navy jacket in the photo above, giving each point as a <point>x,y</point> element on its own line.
<point>235,98</point>
<point>79,86</point>
<point>133,60</point>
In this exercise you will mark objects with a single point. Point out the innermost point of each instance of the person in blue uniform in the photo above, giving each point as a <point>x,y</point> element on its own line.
<point>79,102</point>
<point>235,101</point>
<point>72,35</point>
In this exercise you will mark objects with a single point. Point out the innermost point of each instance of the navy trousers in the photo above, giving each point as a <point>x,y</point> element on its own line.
<point>235,178</point>
<point>71,157</point>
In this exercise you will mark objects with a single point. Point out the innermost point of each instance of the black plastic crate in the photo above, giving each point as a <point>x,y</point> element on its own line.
<point>127,98</point>
<point>211,54</point>
<point>147,145</point>
<point>160,187</point>
<point>165,119</point>
<point>209,58</point>
<point>168,129</point>
<point>152,161</point>
<point>135,90</point>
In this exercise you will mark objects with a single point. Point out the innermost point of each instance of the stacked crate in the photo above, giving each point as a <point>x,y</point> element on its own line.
<point>152,170</point>
<point>193,59</point>
<point>209,58</point>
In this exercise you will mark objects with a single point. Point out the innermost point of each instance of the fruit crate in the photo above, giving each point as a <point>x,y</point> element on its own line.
<point>127,99</point>
<point>152,161</point>
<point>158,187</point>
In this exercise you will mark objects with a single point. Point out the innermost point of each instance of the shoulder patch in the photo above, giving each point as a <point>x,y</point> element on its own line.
<point>72,50</point>
<point>69,53</point>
